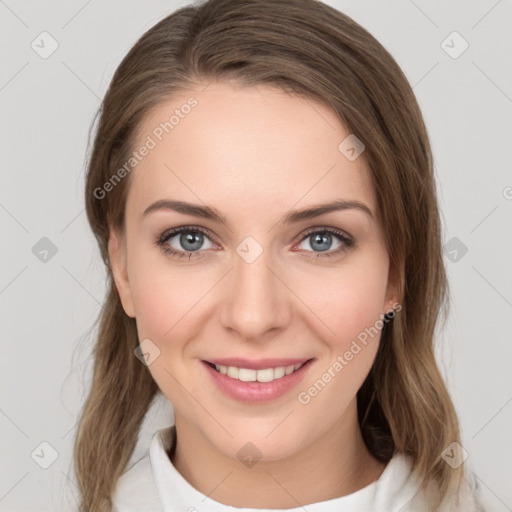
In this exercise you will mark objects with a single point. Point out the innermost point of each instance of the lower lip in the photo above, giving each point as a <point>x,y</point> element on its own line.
<point>257,392</point>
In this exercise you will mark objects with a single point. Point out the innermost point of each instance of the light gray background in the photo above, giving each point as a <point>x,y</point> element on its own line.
<point>48,308</point>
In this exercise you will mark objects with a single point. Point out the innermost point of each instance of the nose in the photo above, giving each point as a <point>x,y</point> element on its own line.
<point>256,300</point>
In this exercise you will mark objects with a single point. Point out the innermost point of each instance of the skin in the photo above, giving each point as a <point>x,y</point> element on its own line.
<point>254,153</point>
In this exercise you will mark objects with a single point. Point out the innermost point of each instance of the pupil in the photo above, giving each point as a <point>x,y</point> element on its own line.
<point>321,238</point>
<point>194,239</point>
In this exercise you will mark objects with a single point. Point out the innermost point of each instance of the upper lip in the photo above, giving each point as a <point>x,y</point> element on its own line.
<point>256,364</point>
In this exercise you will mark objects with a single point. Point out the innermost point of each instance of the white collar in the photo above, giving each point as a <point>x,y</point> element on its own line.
<point>391,491</point>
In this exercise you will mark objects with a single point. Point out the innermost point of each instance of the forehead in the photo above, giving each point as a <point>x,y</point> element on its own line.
<point>245,148</point>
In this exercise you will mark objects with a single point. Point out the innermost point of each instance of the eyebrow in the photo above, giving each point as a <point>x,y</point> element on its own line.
<point>292,217</point>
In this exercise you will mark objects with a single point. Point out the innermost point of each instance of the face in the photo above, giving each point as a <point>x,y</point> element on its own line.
<point>256,286</point>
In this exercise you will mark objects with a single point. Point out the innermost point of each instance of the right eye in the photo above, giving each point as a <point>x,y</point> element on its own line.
<point>183,242</point>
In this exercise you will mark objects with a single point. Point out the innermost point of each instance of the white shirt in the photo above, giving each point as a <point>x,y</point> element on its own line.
<point>153,484</point>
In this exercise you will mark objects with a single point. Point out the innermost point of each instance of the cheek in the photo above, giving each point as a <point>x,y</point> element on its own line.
<point>351,306</point>
<point>155,307</point>
<point>165,315</point>
<point>163,297</point>
<point>350,301</point>
<point>169,313</point>
<point>353,313</point>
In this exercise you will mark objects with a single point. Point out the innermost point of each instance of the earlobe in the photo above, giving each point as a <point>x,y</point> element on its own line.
<point>117,255</point>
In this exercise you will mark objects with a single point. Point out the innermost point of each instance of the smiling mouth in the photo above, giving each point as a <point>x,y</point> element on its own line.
<point>262,375</point>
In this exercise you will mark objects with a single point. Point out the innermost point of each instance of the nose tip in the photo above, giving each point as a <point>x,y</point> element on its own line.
<point>255,301</point>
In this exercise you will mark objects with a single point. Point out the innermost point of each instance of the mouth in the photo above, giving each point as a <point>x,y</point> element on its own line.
<point>256,375</point>
<point>270,380</point>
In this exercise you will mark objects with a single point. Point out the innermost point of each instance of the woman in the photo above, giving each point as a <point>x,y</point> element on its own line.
<point>261,189</point>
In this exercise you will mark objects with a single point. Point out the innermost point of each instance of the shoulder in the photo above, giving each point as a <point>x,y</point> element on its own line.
<point>467,497</point>
<point>136,490</point>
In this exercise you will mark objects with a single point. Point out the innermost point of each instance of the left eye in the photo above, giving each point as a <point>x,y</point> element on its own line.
<point>320,240</point>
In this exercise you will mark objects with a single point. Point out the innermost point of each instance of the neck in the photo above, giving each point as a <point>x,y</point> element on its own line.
<point>335,464</point>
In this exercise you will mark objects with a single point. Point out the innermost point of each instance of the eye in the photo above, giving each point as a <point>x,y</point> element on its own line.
<point>187,242</point>
<point>321,239</point>
<point>183,242</point>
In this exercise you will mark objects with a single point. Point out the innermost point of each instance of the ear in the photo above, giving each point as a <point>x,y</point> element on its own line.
<point>117,255</point>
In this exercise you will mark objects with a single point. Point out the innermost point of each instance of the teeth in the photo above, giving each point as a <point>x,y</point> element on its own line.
<point>249,375</point>
<point>232,372</point>
<point>279,372</point>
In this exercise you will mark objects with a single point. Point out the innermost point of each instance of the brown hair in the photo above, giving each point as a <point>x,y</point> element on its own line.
<point>310,49</point>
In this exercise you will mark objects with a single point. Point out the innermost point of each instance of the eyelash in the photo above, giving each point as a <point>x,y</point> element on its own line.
<point>164,237</point>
